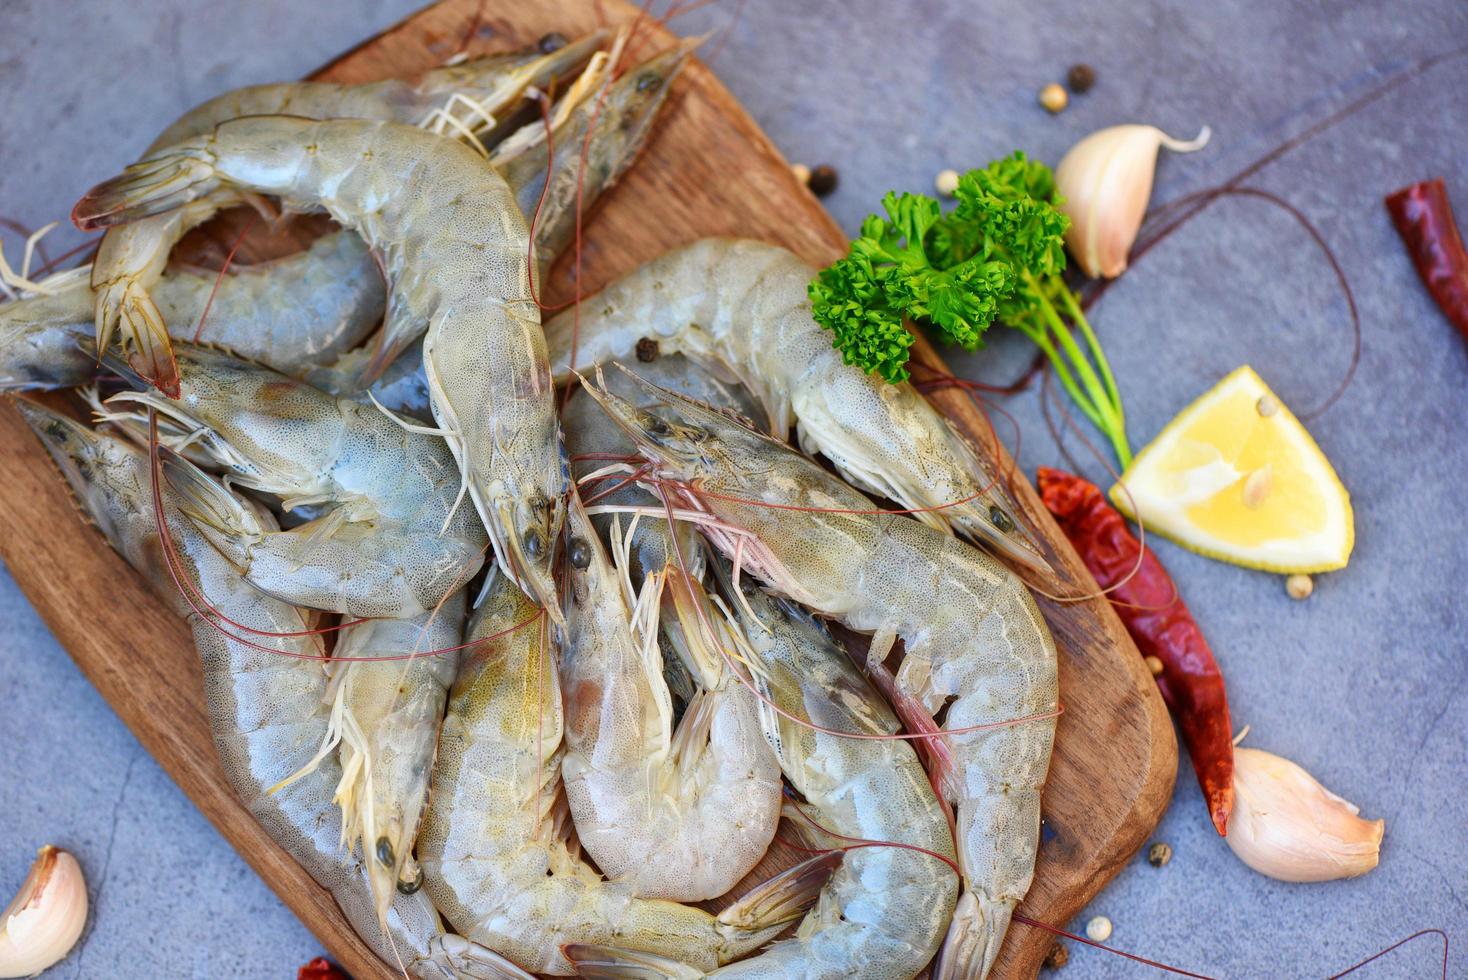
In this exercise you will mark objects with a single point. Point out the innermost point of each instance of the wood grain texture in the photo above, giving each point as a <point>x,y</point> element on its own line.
<point>708,170</point>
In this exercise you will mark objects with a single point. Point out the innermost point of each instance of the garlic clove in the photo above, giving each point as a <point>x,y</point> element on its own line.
<point>1286,825</point>
<point>1106,181</point>
<point>45,919</point>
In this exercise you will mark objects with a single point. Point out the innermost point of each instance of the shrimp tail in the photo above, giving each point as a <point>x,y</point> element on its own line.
<point>614,963</point>
<point>690,627</point>
<point>150,187</point>
<point>749,922</point>
<point>974,937</point>
<point>218,514</point>
<point>459,957</point>
<point>783,898</point>
<point>152,357</point>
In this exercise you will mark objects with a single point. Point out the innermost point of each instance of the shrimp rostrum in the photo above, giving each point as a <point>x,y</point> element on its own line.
<point>263,682</point>
<point>454,247</point>
<point>979,657</point>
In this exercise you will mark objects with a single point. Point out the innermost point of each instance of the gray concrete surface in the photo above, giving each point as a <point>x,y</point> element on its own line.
<point>1363,684</point>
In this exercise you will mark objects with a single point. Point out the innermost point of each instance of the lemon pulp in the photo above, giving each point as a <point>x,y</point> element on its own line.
<point>1236,476</point>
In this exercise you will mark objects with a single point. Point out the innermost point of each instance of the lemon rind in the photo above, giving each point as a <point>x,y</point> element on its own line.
<point>1212,547</point>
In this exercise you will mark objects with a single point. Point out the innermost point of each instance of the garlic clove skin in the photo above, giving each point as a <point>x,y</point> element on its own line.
<point>1287,826</point>
<point>45,919</point>
<point>1106,181</point>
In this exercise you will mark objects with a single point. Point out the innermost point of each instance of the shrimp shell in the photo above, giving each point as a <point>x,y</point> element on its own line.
<point>680,814</point>
<point>266,705</point>
<point>130,260</point>
<point>977,649</point>
<point>742,307</point>
<point>493,845</point>
<point>454,248</point>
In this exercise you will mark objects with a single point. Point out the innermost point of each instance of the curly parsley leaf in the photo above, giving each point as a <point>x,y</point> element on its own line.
<point>999,254</point>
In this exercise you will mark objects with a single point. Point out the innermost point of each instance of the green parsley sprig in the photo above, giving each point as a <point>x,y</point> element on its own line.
<point>999,254</point>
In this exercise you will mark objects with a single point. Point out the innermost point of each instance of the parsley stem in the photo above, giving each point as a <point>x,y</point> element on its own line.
<point>1094,389</point>
<point>1100,401</point>
<point>1041,338</point>
<point>1078,317</point>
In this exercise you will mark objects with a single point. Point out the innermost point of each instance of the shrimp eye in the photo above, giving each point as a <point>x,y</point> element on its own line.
<point>384,851</point>
<point>580,554</point>
<point>656,425</point>
<point>534,545</point>
<point>412,885</point>
<point>649,82</point>
<point>554,41</point>
<point>1001,519</point>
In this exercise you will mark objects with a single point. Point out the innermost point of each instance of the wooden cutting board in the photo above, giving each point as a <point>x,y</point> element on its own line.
<point>708,170</point>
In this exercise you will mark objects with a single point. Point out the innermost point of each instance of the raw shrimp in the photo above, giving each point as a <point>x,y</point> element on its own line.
<point>386,715</point>
<point>592,437</point>
<point>618,123</point>
<point>293,314</point>
<point>977,649</point>
<point>493,846</point>
<point>742,306</point>
<point>304,314</point>
<point>265,705</point>
<point>130,260</point>
<point>453,245</point>
<point>394,543</point>
<point>883,913</point>
<point>684,814</point>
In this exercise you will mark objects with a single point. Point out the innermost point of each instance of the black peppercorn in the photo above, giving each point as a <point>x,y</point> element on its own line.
<point>823,180</point>
<point>1080,78</point>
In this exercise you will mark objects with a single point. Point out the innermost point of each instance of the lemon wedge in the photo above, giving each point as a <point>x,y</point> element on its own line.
<point>1236,477</point>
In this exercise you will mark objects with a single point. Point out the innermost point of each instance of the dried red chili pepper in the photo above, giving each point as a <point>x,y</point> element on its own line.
<point>321,968</point>
<point>1153,612</point>
<point>1424,219</point>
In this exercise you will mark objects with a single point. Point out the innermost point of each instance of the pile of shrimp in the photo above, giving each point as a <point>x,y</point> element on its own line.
<point>516,634</point>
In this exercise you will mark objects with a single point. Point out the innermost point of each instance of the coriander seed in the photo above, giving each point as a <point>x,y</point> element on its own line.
<point>1299,586</point>
<point>1053,98</point>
